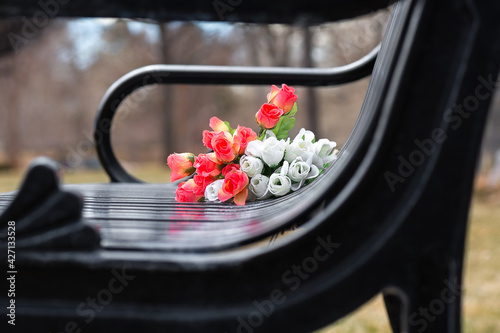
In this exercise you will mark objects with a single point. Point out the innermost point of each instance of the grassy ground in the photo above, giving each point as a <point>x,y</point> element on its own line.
<point>10,180</point>
<point>482,272</point>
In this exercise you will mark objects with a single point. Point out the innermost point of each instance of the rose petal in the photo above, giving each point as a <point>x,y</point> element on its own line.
<point>240,198</point>
<point>218,125</point>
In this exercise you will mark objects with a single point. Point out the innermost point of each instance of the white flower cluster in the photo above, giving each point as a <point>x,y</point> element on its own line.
<point>301,159</point>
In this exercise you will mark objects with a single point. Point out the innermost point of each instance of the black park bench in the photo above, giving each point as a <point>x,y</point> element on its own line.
<point>389,216</point>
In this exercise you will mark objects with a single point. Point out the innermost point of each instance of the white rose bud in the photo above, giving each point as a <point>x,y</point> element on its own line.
<point>324,152</point>
<point>273,151</point>
<point>254,148</point>
<point>299,148</point>
<point>212,190</point>
<point>304,135</point>
<point>298,170</point>
<point>279,185</point>
<point>252,166</point>
<point>259,186</point>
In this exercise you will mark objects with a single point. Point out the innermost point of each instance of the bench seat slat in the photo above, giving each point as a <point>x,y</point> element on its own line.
<point>147,217</point>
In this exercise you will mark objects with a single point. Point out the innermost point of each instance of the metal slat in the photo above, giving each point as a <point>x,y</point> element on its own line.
<point>146,216</point>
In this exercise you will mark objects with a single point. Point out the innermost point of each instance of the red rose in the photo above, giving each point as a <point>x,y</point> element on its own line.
<point>235,185</point>
<point>207,165</point>
<point>243,135</point>
<point>268,116</point>
<point>181,165</point>
<point>230,167</point>
<point>185,192</point>
<point>225,150</point>
<point>283,98</point>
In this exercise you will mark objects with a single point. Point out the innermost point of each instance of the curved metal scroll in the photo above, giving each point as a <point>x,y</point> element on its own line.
<point>219,75</point>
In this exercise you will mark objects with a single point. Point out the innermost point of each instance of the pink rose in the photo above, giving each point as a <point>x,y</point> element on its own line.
<point>181,165</point>
<point>207,138</point>
<point>268,116</point>
<point>185,192</point>
<point>225,150</point>
<point>201,184</point>
<point>218,125</point>
<point>243,135</point>
<point>283,98</point>
<point>207,165</point>
<point>230,167</point>
<point>235,185</point>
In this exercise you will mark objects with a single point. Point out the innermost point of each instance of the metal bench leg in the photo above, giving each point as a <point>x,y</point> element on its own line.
<point>432,302</point>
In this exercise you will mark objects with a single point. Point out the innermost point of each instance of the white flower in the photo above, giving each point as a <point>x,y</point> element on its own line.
<point>304,135</point>
<point>324,152</point>
<point>279,183</point>
<point>273,151</point>
<point>254,148</point>
<point>300,171</point>
<point>299,148</point>
<point>252,166</point>
<point>270,150</point>
<point>212,190</point>
<point>258,186</point>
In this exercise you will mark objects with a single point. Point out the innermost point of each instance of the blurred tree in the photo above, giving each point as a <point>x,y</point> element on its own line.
<point>60,80</point>
<point>492,136</point>
<point>312,105</point>
<point>7,28</point>
<point>167,98</point>
<point>8,50</point>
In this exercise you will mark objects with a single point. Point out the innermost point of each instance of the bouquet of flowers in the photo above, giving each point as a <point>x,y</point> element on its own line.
<point>244,165</point>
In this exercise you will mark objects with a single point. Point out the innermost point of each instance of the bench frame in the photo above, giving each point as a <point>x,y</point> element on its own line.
<point>406,240</point>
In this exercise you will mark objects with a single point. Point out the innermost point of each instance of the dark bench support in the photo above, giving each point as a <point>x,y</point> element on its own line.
<point>46,216</point>
<point>396,224</point>
<point>257,11</point>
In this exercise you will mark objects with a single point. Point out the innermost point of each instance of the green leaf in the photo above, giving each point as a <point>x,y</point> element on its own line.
<point>262,134</point>
<point>289,123</point>
<point>277,128</point>
<point>267,170</point>
<point>229,126</point>
<point>286,125</point>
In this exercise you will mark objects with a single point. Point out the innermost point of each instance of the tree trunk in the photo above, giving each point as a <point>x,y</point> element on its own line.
<point>312,107</point>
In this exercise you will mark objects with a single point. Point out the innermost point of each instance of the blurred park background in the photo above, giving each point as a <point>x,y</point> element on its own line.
<point>53,76</point>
